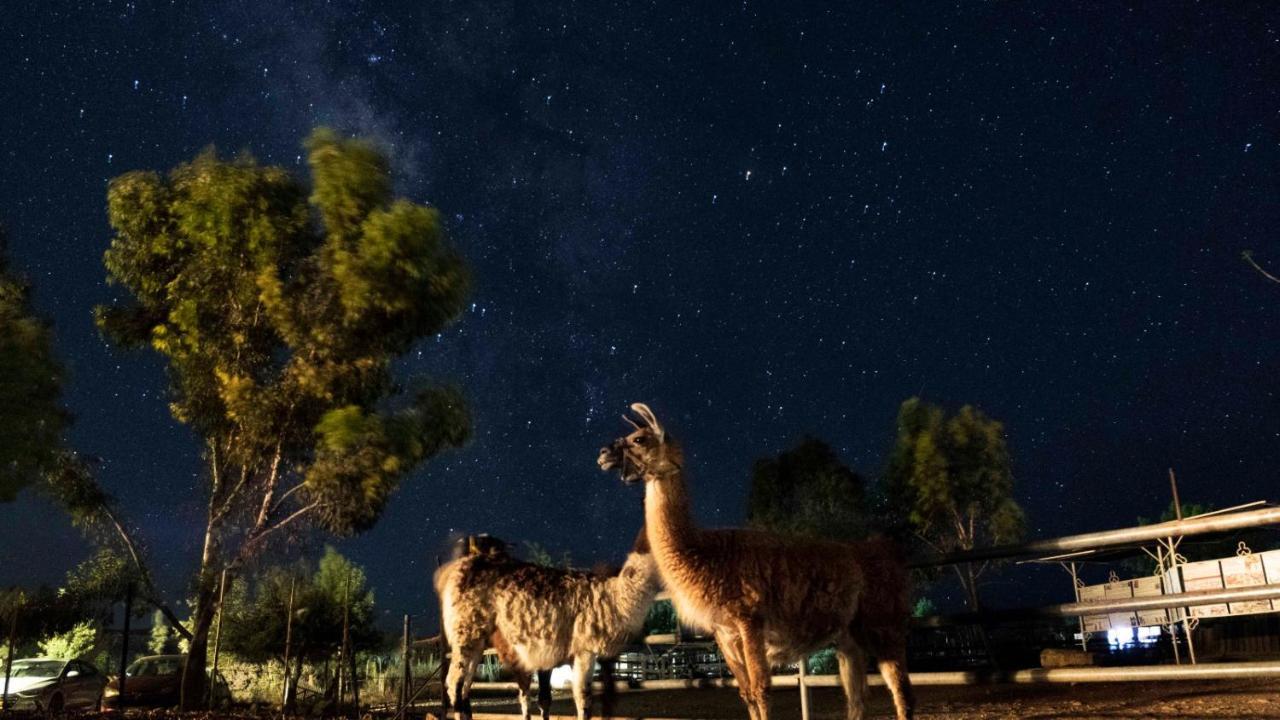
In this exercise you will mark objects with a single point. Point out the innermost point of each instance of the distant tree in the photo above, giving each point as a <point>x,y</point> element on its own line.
<point>31,415</point>
<point>256,625</point>
<point>807,491</point>
<point>950,485</point>
<point>280,311</point>
<point>83,640</point>
<point>119,563</point>
<point>538,554</point>
<point>661,619</point>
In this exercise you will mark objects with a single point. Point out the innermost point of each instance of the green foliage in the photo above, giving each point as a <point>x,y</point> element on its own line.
<point>163,638</point>
<point>661,619</point>
<point>540,555</point>
<point>103,578</point>
<point>255,625</point>
<point>923,607</point>
<point>280,312</point>
<point>81,641</point>
<point>807,491</point>
<point>31,416</point>
<point>824,662</point>
<point>950,480</point>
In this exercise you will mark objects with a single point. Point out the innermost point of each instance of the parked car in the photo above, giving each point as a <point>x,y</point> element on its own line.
<point>51,685</point>
<point>156,681</point>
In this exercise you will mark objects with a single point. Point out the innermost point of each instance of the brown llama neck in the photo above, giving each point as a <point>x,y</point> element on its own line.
<point>668,520</point>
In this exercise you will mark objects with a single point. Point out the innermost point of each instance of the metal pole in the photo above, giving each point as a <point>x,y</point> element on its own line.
<point>804,688</point>
<point>288,639</point>
<point>1158,602</point>
<point>1075,589</point>
<point>1169,615</point>
<point>1112,538</point>
<point>217,636</point>
<point>122,700</point>
<point>8,658</point>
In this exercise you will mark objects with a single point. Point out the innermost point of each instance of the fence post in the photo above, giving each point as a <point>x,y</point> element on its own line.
<point>346,637</point>
<point>8,658</point>
<point>404,671</point>
<point>122,699</point>
<point>804,687</point>
<point>288,640</point>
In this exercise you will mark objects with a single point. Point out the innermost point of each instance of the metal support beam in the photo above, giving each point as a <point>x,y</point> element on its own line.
<point>1033,676</point>
<point>1112,538</point>
<point>1157,602</point>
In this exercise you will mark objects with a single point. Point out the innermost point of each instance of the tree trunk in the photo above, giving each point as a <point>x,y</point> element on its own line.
<point>193,677</point>
<point>970,582</point>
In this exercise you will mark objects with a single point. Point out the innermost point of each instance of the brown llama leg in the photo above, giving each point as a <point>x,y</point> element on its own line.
<point>853,677</point>
<point>730,644</point>
<point>583,668</point>
<point>523,681</point>
<point>608,692</point>
<point>544,693</point>
<point>892,656</point>
<point>461,660</point>
<point>756,658</point>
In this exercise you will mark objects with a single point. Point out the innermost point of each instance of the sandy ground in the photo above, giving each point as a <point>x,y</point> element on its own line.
<point>1158,701</point>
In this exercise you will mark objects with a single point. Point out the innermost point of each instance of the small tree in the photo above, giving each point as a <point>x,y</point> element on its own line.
<point>31,416</point>
<point>807,491</point>
<point>949,484</point>
<point>256,625</point>
<point>279,311</point>
<point>83,640</point>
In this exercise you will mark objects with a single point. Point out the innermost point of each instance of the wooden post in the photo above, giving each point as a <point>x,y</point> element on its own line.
<point>804,688</point>
<point>346,635</point>
<point>122,699</point>
<point>217,638</point>
<point>404,671</point>
<point>288,639</point>
<point>1177,504</point>
<point>8,659</point>
<point>355,683</point>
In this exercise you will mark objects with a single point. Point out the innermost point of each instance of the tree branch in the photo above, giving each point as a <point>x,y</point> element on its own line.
<point>264,510</point>
<point>280,503</point>
<point>149,587</point>
<point>258,536</point>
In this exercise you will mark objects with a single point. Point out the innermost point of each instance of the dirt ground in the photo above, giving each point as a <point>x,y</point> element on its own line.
<point>1158,701</point>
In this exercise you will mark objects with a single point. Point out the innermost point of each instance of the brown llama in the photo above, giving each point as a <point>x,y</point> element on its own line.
<point>769,599</point>
<point>540,617</point>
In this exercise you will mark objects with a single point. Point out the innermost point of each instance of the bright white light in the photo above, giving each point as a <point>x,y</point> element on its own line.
<point>1120,637</point>
<point>561,677</point>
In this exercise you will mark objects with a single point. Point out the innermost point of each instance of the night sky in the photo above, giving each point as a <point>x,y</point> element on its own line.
<point>764,219</point>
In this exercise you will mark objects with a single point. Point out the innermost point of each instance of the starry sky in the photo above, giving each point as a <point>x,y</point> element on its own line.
<point>764,219</point>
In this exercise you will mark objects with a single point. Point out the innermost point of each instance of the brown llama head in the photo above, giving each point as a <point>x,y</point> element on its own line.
<point>645,454</point>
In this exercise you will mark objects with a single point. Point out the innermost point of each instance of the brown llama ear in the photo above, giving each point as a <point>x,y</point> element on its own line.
<point>647,416</point>
<point>631,422</point>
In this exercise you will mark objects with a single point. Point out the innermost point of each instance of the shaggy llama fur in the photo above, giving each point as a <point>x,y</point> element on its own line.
<point>767,598</point>
<point>538,618</point>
